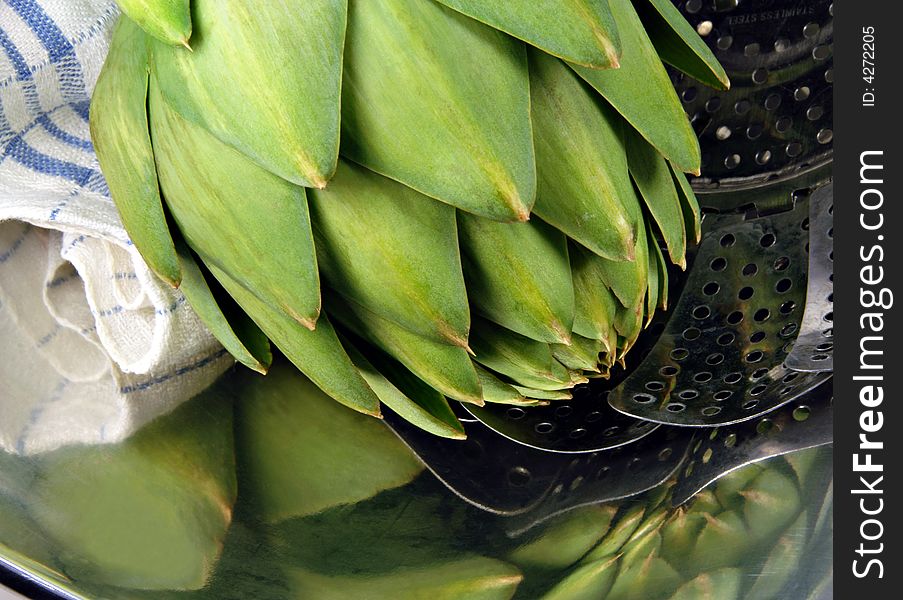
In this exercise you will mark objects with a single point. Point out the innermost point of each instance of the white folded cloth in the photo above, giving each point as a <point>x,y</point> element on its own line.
<point>92,345</point>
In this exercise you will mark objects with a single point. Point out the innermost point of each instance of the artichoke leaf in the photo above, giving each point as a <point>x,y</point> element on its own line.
<point>236,332</point>
<point>444,367</point>
<point>584,186</point>
<point>406,395</point>
<point>580,31</point>
<point>393,251</point>
<point>317,353</point>
<point>497,391</point>
<point>642,92</point>
<point>679,45</point>
<point>121,138</point>
<point>167,20</point>
<point>653,179</point>
<point>413,110</point>
<point>253,225</point>
<point>476,578</point>
<point>235,82</point>
<point>518,276</point>
<point>595,302</point>
<point>689,204</point>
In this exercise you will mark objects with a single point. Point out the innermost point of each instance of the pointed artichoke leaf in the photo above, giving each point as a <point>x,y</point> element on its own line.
<point>410,398</point>
<point>583,181</point>
<point>619,534</point>
<point>644,545</point>
<point>287,432</point>
<point>476,578</point>
<point>678,44</point>
<point>653,284</point>
<point>444,367</point>
<point>589,581</point>
<point>657,260</point>
<point>689,204</point>
<point>653,179</point>
<point>723,584</point>
<point>532,394</point>
<point>253,225</point>
<point>580,31</point>
<point>629,325</point>
<point>724,541</point>
<point>497,391</point>
<point>582,354</point>
<point>492,340</point>
<point>558,384</point>
<point>559,371</point>
<point>651,578</point>
<point>392,250</point>
<point>316,353</point>
<point>119,132</point>
<point>413,110</point>
<point>595,302</point>
<point>773,502</point>
<point>524,361</point>
<point>642,92</point>
<point>264,78</point>
<point>236,332</point>
<point>629,319</point>
<point>518,276</point>
<point>626,279</point>
<point>167,20</point>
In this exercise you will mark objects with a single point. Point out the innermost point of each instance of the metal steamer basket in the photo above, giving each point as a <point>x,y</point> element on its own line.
<point>739,368</point>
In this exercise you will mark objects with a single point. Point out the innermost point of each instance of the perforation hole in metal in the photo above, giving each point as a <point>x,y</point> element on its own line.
<point>608,475</point>
<point>777,117</point>
<point>584,424</point>
<point>805,423</point>
<point>511,479</point>
<point>814,347</point>
<point>727,366</point>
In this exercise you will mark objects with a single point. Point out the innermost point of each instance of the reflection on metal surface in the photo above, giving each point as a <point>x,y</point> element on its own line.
<point>299,529</point>
<point>508,478</point>
<point>585,424</point>
<point>813,349</point>
<point>806,423</point>
<point>150,512</point>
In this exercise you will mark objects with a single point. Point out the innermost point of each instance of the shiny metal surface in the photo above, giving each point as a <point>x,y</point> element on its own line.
<point>813,349</point>
<point>805,423</point>
<point>776,121</point>
<point>510,479</point>
<point>317,525</point>
<point>720,358</point>
<point>587,423</point>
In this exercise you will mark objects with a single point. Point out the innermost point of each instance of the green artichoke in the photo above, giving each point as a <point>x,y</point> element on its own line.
<point>414,200</point>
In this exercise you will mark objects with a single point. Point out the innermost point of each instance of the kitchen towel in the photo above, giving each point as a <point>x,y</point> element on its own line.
<point>92,344</point>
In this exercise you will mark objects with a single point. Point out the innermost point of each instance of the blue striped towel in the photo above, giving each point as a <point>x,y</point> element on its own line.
<point>92,345</point>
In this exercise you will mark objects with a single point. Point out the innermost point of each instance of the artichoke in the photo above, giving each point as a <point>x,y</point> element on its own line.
<point>414,200</point>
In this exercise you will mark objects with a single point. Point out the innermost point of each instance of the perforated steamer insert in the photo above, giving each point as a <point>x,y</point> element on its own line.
<point>777,119</point>
<point>724,377</point>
